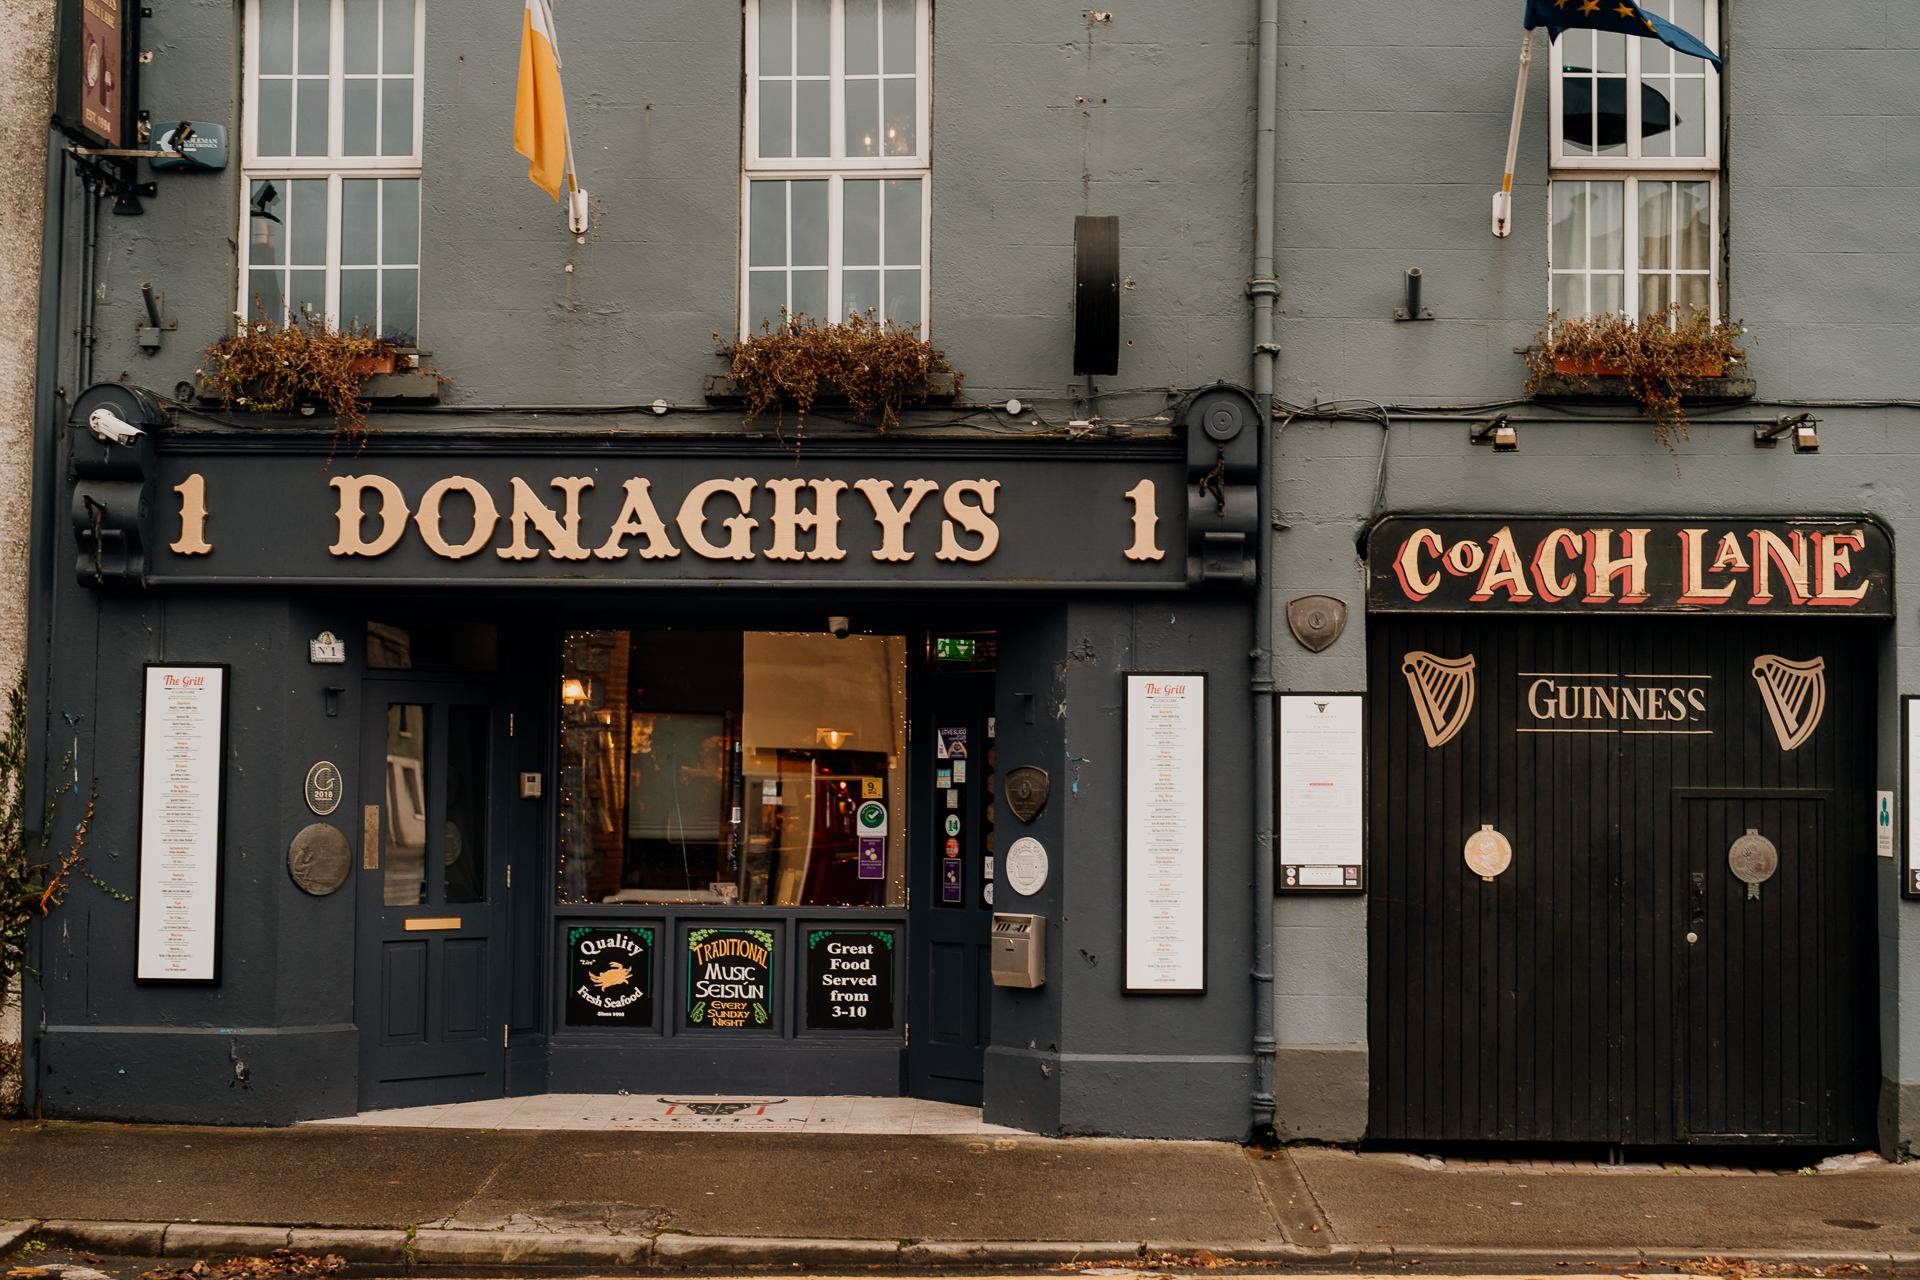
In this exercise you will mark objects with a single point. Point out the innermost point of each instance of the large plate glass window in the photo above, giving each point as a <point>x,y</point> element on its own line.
<point>836,185</point>
<point>331,139</point>
<point>1634,199</point>
<point>732,768</point>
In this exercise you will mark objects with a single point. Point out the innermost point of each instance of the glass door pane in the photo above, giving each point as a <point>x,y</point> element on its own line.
<point>405,865</point>
<point>466,852</point>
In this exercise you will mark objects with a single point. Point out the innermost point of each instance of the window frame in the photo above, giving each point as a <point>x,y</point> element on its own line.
<point>335,168</point>
<point>837,167</point>
<point>1630,230</point>
<point>335,161</point>
<point>1561,158</point>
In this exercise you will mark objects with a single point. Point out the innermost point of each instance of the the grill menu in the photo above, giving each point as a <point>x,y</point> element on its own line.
<point>180,823</point>
<point>1166,832</point>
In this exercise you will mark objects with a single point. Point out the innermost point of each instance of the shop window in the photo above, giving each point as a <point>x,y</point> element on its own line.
<point>332,152</point>
<point>732,767</point>
<point>1635,170</point>
<point>836,215</point>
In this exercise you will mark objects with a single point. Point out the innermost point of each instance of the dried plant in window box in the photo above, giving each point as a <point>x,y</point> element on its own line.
<point>270,368</point>
<point>880,366</point>
<point>1662,357</point>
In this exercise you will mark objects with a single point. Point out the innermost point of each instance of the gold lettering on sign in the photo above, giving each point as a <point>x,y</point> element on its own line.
<point>693,519</point>
<point>1145,517</point>
<point>893,520</point>
<point>1789,555</point>
<point>1835,557</point>
<point>393,515</point>
<point>1546,565</point>
<point>528,509</point>
<point>1603,568</point>
<point>1696,590</point>
<point>1505,570</point>
<point>639,519</point>
<point>789,520</point>
<point>193,517</point>
<point>486,517</point>
<point>971,518</point>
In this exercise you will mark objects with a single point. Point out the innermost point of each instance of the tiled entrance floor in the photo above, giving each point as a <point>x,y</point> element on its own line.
<point>681,1112</point>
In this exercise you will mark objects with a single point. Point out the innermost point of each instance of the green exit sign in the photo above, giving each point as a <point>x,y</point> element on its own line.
<point>953,648</point>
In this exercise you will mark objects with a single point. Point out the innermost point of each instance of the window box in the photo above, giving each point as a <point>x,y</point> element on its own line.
<point>942,388</point>
<point>373,364</point>
<point>1613,386</point>
<point>1568,367</point>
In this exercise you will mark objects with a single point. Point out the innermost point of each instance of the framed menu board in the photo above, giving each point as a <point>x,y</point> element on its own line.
<point>183,777</point>
<point>1320,793</point>
<point>1166,857</point>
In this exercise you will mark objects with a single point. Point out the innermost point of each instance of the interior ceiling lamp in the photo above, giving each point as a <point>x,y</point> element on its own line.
<point>833,738</point>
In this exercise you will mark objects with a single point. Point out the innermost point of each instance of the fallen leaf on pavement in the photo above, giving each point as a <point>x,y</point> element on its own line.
<point>281,1262</point>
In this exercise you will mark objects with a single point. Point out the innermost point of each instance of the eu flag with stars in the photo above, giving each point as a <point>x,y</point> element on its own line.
<point>1614,15</point>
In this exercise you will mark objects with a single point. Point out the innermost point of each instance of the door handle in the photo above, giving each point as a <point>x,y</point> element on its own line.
<point>370,838</point>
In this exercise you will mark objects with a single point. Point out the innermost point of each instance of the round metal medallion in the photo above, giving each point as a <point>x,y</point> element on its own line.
<point>1488,852</point>
<point>320,858</point>
<point>1026,865</point>
<point>1753,858</point>
<point>323,788</point>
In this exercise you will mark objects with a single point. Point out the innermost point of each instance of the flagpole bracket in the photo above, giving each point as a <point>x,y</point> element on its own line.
<point>1503,214</point>
<point>577,211</point>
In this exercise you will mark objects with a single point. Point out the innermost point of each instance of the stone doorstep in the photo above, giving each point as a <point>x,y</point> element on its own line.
<point>13,1233</point>
<point>494,1248</point>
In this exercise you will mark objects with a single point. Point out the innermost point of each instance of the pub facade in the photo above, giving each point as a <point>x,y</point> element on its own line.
<point>1241,698</point>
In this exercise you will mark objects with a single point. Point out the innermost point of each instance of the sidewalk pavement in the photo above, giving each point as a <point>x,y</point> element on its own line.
<point>629,1200</point>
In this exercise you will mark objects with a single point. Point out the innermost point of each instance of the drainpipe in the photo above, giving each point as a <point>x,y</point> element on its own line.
<point>1263,288</point>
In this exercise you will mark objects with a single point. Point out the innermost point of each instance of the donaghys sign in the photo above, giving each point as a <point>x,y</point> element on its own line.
<point>1624,564</point>
<point>1115,516</point>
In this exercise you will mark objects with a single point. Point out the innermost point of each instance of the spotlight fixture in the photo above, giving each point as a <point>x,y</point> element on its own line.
<point>1803,428</point>
<point>1500,433</point>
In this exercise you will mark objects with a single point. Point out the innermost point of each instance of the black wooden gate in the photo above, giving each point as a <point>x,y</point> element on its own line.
<point>1617,982</point>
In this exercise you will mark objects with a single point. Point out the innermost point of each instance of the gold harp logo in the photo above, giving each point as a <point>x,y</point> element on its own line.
<point>1442,693</point>
<point>1795,694</point>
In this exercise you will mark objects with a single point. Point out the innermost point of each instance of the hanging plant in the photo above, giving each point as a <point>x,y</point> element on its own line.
<point>1662,357</point>
<point>270,368</point>
<point>880,365</point>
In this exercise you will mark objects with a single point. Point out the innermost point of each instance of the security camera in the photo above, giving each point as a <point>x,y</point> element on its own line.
<point>105,425</point>
<point>839,627</point>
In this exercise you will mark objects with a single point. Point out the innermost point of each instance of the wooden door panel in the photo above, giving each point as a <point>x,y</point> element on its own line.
<point>403,993</point>
<point>464,961</point>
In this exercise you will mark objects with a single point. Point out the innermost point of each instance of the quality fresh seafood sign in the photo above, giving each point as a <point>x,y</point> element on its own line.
<point>610,977</point>
<point>729,978</point>
<point>1623,564</point>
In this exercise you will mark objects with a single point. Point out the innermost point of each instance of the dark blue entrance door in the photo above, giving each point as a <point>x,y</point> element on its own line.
<point>431,985</point>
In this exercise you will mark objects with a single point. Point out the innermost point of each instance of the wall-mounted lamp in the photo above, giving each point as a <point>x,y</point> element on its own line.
<point>1500,433</point>
<point>1413,310</point>
<point>574,691</point>
<point>1802,427</point>
<point>832,738</point>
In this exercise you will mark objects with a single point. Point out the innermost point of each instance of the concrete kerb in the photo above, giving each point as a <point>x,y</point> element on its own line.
<point>564,1250</point>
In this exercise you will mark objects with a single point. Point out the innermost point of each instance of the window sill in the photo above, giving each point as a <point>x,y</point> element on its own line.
<point>408,385</point>
<point>721,389</point>
<point>1614,387</point>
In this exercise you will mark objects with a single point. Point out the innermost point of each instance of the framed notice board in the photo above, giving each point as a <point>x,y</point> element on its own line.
<point>183,826</point>
<point>1909,778</point>
<point>1166,834</point>
<point>1320,793</point>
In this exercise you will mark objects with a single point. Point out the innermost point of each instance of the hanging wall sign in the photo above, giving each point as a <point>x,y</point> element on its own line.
<point>1321,793</point>
<point>610,977</point>
<point>182,822</point>
<point>850,979</point>
<point>1166,858</point>
<point>1626,564</point>
<point>729,979</point>
<point>98,41</point>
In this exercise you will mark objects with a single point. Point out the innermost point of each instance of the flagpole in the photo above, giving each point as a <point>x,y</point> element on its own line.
<point>1503,198</point>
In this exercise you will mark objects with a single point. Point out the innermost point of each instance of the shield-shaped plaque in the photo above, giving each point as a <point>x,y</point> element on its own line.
<point>1026,791</point>
<point>1317,621</point>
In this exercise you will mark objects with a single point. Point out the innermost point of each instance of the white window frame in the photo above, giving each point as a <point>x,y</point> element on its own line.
<point>837,167</point>
<point>335,167</point>
<point>1630,229</point>
<point>334,161</point>
<point>1563,159</point>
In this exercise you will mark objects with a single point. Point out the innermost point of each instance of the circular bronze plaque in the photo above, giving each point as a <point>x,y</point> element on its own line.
<point>1753,858</point>
<point>1488,852</point>
<point>319,859</point>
